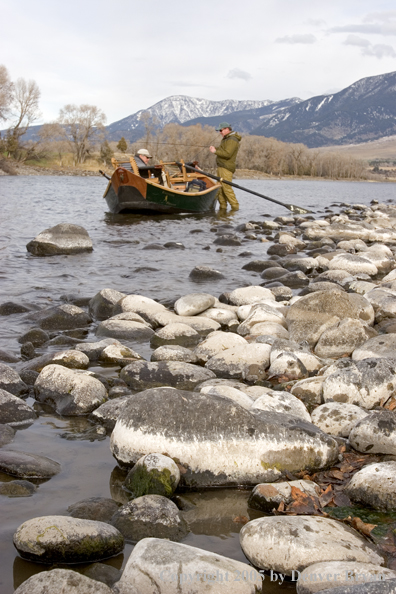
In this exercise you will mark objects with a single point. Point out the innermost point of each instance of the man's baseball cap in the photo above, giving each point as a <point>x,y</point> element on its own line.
<point>222,126</point>
<point>144,152</point>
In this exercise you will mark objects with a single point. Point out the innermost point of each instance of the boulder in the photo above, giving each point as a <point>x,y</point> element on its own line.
<point>69,392</point>
<point>229,392</point>
<point>99,509</point>
<point>186,425</point>
<point>365,383</point>
<point>205,273</point>
<point>193,304</point>
<point>101,306</point>
<point>64,238</point>
<point>309,391</point>
<point>14,411</point>
<point>248,295</point>
<point>150,516</point>
<point>61,317</point>
<point>179,334</point>
<point>108,413</point>
<point>341,575</point>
<point>282,402</point>
<point>343,338</point>
<point>380,346</point>
<point>154,474</point>
<point>11,382</point>
<point>289,543</point>
<point>217,342</point>
<point>375,433</point>
<point>353,264</point>
<point>268,496</point>
<point>374,486</point>
<point>56,581</point>
<point>158,566</point>
<point>311,315</point>
<point>245,362</point>
<point>27,466</point>
<point>127,326</point>
<point>60,539</point>
<point>144,306</point>
<point>174,352</point>
<point>17,489</point>
<point>142,375</point>
<point>337,418</point>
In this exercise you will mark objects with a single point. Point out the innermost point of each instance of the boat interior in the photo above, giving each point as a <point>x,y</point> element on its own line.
<point>171,175</point>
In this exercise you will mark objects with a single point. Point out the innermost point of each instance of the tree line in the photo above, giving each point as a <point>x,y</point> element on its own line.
<point>80,130</point>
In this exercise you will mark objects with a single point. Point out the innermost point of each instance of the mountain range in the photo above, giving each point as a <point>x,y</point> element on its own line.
<point>364,111</point>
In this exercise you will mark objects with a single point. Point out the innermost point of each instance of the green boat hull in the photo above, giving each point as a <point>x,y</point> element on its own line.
<point>127,197</point>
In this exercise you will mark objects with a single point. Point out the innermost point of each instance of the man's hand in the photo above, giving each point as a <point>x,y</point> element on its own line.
<point>212,149</point>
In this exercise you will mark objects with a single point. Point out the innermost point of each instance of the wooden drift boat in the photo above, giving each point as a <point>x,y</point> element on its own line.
<point>163,188</point>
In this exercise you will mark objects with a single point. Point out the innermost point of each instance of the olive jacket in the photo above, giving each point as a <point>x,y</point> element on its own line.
<point>226,153</point>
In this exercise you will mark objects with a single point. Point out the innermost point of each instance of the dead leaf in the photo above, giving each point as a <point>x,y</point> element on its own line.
<point>303,504</point>
<point>241,520</point>
<point>361,526</point>
<point>326,496</point>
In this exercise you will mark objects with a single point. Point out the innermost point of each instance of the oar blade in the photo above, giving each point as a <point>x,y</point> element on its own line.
<point>297,209</point>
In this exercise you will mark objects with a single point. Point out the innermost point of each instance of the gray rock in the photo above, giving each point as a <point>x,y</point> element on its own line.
<point>17,489</point>
<point>60,539</point>
<point>380,346</point>
<point>99,509</point>
<point>287,365</point>
<point>36,336</point>
<point>101,306</point>
<point>150,516</point>
<point>7,434</point>
<point>144,306</point>
<point>201,324</point>
<point>353,264</point>
<point>365,383</point>
<point>108,413</point>
<point>268,496</point>
<point>203,273</point>
<point>158,566</point>
<point>153,474</point>
<point>6,357</point>
<point>127,326</point>
<point>337,418</point>
<point>27,466</point>
<point>61,317</point>
<point>10,381</point>
<point>217,342</point>
<point>282,402</point>
<point>56,581</point>
<point>119,355</point>
<point>172,352</point>
<point>193,304</point>
<point>64,238</point>
<point>70,392</point>
<point>375,434</point>
<point>343,338</point>
<point>311,315</point>
<point>177,334</point>
<point>9,308</point>
<point>289,543</point>
<point>93,350</point>
<point>249,295</point>
<point>229,392</point>
<point>253,447</point>
<point>14,411</point>
<point>245,362</point>
<point>309,391</point>
<point>341,574</point>
<point>375,486</point>
<point>142,375</point>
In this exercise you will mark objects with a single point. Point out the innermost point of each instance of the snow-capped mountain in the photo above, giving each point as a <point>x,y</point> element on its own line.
<point>180,109</point>
<point>364,111</point>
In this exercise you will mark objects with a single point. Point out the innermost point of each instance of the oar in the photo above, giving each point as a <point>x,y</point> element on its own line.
<point>292,207</point>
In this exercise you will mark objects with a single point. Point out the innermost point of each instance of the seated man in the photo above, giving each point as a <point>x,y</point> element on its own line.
<point>146,170</point>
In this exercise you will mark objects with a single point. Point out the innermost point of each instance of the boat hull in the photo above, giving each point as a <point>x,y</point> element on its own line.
<point>127,192</point>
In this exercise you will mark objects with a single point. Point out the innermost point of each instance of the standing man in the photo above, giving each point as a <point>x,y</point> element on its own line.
<point>226,157</point>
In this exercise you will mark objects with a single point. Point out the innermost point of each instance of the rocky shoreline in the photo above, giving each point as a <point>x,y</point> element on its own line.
<point>14,168</point>
<point>287,388</point>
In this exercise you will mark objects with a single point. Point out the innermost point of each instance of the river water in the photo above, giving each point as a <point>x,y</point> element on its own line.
<point>28,205</point>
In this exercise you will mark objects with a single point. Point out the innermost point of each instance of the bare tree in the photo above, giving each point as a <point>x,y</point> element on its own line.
<point>6,90</point>
<point>25,106</point>
<point>52,137</point>
<point>82,125</point>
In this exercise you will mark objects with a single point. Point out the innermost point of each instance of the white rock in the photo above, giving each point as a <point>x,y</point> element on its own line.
<point>246,362</point>
<point>231,393</point>
<point>248,295</point>
<point>290,543</point>
<point>217,342</point>
<point>282,402</point>
<point>375,486</point>
<point>193,304</point>
<point>337,418</point>
<point>56,581</point>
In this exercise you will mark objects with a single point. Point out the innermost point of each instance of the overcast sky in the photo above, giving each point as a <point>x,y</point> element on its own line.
<point>126,55</point>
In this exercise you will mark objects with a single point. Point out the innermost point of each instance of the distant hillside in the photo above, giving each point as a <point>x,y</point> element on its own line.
<point>364,111</point>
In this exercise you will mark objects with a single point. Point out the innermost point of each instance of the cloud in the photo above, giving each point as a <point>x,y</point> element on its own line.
<point>379,51</point>
<point>316,22</point>
<point>298,38</point>
<point>355,40</point>
<point>375,23</point>
<point>368,49</point>
<point>238,73</point>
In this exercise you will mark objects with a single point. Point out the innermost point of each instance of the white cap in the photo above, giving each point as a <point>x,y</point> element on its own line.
<point>144,152</point>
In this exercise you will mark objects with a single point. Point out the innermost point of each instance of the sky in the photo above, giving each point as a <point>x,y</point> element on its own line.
<point>128,55</point>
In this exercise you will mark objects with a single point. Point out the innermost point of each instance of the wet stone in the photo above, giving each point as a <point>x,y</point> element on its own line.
<point>9,308</point>
<point>101,306</point>
<point>150,516</point>
<point>61,317</point>
<point>142,375</point>
<point>14,411</point>
<point>64,238</point>
<point>60,539</point>
<point>17,489</point>
<point>27,465</point>
<point>8,357</point>
<point>36,336</point>
<point>11,381</point>
<point>202,273</point>
<point>7,434</point>
<point>100,509</point>
<point>268,496</point>
<point>153,474</point>
<point>56,581</point>
<point>172,352</point>
<point>193,304</point>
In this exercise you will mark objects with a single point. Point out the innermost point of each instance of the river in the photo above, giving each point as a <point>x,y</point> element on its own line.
<point>119,261</point>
